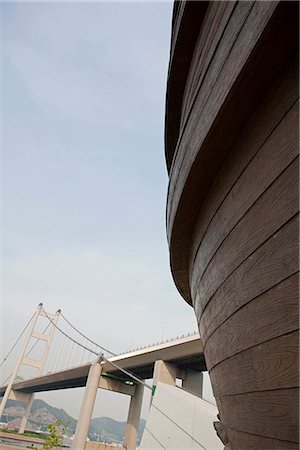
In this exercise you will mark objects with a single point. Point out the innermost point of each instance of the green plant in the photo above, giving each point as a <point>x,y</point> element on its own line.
<point>55,435</point>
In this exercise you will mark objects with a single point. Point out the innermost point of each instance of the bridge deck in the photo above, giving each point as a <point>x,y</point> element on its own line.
<point>185,353</point>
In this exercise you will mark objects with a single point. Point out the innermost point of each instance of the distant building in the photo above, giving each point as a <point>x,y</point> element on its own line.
<point>231,138</point>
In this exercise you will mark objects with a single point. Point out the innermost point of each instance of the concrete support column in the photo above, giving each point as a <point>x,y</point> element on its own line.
<point>87,407</point>
<point>193,382</point>
<point>26,414</point>
<point>164,373</point>
<point>133,419</point>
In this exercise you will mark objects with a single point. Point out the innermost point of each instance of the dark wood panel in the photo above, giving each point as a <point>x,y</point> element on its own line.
<point>271,413</point>
<point>275,312</point>
<point>269,213</point>
<point>246,441</point>
<point>234,375</point>
<point>284,445</point>
<point>275,155</point>
<point>280,98</point>
<point>192,185</point>
<point>223,132</point>
<point>270,365</point>
<point>222,72</point>
<point>276,362</point>
<point>196,130</point>
<point>186,27</point>
<point>209,39</point>
<point>274,261</point>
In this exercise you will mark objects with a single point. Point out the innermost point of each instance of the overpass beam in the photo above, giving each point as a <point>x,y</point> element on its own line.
<point>133,420</point>
<point>164,373</point>
<point>193,382</point>
<point>87,407</point>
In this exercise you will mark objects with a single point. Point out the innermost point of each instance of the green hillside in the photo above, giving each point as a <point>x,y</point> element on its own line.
<point>104,429</point>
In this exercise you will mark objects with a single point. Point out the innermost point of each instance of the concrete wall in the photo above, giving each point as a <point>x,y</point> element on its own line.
<point>179,420</point>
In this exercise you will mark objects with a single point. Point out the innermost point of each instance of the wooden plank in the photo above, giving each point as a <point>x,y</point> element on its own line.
<point>275,312</point>
<point>186,28</point>
<point>269,213</point>
<point>279,100</point>
<point>274,261</point>
<point>272,159</point>
<point>284,445</point>
<point>271,413</point>
<point>231,118</point>
<point>276,362</point>
<point>270,365</point>
<point>234,375</point>
<point>209,40</point>
<point>196,130</point>
<point>246,441</point>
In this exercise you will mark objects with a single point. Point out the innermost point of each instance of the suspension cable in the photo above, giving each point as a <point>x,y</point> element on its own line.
<point>17,340</point>
<point>131,375</point>
<point>102,357</point>
<point>126,372</point>
<point>2,384</point>
<point>88,339</point>
<point>71,339</point>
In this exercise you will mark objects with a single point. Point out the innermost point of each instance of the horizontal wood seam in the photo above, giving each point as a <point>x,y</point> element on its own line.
<point>251,347</point>
<point>234,184</point>
<point>194,100</point>
<point>245,304</point>
<point>186,113</point>
<point>258,391</point>
<point>258,435</point>
<point>251,253</point>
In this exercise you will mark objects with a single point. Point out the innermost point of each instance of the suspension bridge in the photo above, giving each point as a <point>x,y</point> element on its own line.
<point>55,355</point>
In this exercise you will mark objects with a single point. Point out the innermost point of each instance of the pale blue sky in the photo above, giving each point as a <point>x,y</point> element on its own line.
<point>84,176</point>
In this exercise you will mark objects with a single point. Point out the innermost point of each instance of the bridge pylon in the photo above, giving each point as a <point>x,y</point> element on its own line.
<point>37,364</point>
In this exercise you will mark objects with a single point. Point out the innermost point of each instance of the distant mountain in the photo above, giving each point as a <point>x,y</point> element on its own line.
<point>40,416</point>
<point>110,430</point>
<point>103,429</point>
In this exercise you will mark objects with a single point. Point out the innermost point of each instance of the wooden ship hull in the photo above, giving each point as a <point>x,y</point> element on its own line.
<point>231,138</point>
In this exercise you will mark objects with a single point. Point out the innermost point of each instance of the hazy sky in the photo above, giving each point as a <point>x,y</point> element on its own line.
<point>84,176</point>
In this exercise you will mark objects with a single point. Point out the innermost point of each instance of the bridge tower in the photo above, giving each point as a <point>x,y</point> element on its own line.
<point>37,364</point>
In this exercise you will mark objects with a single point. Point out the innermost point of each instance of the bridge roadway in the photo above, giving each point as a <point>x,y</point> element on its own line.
<point>185,353</point>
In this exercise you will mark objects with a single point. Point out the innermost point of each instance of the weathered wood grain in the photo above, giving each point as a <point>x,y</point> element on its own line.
<point>246,441</point>
<point>282,95</point>
<point>275,155</point>
<point>232,219</point>
<point>273,364</point>
<point>209,39</point>
<point>186,26</point>
<point>269,213</point>
<point>196,131</point>
<point>221,135</point>
<point>270,413</point>
<point>274,261</point>
<point>276,362</point>
<point>273,313</point>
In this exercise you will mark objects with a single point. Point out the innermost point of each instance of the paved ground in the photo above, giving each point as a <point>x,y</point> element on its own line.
<point>10,447</point>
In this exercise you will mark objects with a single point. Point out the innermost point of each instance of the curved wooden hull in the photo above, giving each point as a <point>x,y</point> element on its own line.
<point>232,214</point>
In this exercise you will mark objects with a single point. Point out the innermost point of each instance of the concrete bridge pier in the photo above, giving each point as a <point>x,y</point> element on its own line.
<point>133,420</point>
<point>25,417</point>
<point>192,381</point>
<point>164,373</point>
<point>87,406</point>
